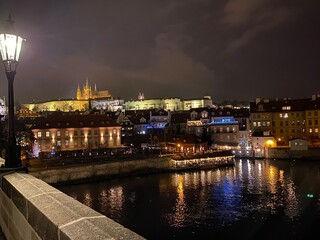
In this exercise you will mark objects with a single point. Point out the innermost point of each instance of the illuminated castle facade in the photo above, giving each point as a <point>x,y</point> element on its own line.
<point>86,99</point>
<point>87,92</point>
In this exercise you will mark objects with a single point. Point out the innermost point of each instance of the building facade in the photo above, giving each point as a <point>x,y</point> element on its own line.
<point>286,119</point>
<point>168,104</point>
<point>58,132</point>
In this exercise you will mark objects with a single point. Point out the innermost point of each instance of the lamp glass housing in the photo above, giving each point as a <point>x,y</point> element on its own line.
<point>10,47</point>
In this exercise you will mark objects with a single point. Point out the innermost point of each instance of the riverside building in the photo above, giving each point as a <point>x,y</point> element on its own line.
<point>59,132</point>
<point>287,119</point>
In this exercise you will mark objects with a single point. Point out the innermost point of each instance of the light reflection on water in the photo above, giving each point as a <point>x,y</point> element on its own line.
<point>250,197</point>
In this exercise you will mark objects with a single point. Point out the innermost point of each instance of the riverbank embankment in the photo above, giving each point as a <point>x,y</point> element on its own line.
<point>93,171</point>
<point>66,171</point>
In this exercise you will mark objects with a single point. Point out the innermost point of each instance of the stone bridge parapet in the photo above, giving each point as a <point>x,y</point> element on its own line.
<point>32,209</point>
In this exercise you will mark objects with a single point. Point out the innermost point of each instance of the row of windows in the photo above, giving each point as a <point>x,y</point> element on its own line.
<point>206,114</point>
<point>299,130</point>
<point>259,116</point>
<point>81,123</point>
<point>75,133</point>
<point>67,143</point>
<point>227,129</point>
<point>263,124</point>
<point>302,130</point>
<point>315,113</point>
<point>285,115</point>
<point>227,137</point>
<point>286,123</point>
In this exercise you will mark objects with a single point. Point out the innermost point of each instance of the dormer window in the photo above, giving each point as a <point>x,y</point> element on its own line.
<point>204,114</point>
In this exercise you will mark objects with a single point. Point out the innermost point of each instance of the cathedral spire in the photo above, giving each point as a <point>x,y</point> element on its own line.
<point>87,82</point>
<point>78,92</point>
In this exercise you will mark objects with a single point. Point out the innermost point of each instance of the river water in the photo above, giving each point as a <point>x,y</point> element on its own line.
<point>255,199</point>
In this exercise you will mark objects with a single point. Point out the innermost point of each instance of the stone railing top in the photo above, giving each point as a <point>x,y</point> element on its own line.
<point>54,215</point>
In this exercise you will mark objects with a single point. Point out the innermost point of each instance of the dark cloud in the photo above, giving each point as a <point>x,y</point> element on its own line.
<point>236,49</point>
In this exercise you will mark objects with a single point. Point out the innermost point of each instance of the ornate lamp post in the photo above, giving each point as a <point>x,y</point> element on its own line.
<point>10,47</point>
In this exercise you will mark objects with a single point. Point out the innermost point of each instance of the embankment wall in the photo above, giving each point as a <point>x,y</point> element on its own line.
<point>94,171</point>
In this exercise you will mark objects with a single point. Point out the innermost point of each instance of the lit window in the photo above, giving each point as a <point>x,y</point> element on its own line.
<point>114,131</point>
<point>310,130</point>
<point>58,143</point>
<point>204,114</point>
<point>286,108</point>
<point>67,142</point>
<point>280,115</point>
<point>254,124</point>
<point>316,130</point>
<point>259,124</point>
<point>285,115</point>
<point>58,133</point>
<point>66,133</point>
<point>47,134</point>
<point>39,134</point>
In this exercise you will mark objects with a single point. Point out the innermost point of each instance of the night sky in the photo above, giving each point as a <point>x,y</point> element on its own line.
<point>230,50</point>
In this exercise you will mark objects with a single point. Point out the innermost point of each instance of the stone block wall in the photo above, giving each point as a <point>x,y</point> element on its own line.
<point>287,153</point>
<point>80,173</point>
<point>30,209</point>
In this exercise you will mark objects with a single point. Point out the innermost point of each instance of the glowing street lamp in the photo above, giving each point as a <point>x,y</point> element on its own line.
<point>10,47</point>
